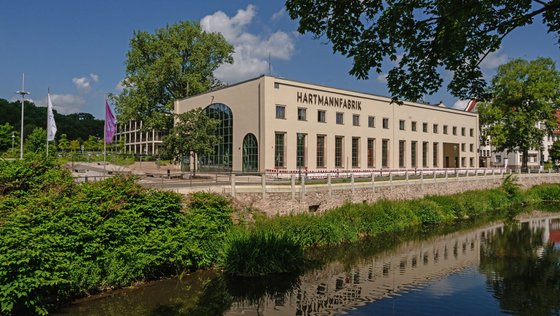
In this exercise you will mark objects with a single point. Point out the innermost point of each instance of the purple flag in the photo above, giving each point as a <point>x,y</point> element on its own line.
<point>110,126</point>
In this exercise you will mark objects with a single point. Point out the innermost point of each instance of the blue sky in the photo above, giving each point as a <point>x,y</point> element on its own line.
<point>78,48</point>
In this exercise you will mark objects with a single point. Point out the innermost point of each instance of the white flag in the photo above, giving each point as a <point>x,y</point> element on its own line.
<point>51,124</point>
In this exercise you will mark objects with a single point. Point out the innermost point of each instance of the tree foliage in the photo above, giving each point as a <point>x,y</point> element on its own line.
<point>6,132</point>
<point>554,151</point>
<point>60,240</point>
<point>193,133</point>
<point>174,62</point>
<point>522,113</point>
<point>421,36</point>
<point>75,125</point>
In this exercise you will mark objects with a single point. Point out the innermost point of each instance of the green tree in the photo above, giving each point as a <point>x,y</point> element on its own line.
<point>554,151</point>
<point>177,61</point>
<point>36,142</point>
<point>522,112</point>
<point>91,144</point>
<point>63,143</point>
<point>421,36</point>
<point>193,133</point>
<point>6,132</point>
<point>74,145</point>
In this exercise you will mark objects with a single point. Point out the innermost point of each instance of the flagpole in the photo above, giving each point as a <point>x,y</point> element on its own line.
<point>105,139</point>
<point>48,95</point>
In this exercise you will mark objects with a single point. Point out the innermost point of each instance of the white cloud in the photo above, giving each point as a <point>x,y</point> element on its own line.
<point>278,14</point>
<point>65,103</point>
<point>493,60</point>
<point>94,77</point>
<point>84,83</point>
<point>382,78</point>
<point>251,51</point>
<point>460,104</point>
<point>120,86</point>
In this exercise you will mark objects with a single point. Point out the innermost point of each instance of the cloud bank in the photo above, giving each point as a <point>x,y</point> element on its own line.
<point>251,51</point>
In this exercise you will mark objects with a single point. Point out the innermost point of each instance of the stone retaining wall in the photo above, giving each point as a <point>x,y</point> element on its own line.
<point>320,198</point>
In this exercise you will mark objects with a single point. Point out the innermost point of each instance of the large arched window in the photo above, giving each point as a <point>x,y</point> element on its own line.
<point>250,153</point>
<point>221,158</point>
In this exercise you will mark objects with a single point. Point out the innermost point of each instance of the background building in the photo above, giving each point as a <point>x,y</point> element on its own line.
<point>490,157</point>
<point>270,124</point>
<point>137,141</point>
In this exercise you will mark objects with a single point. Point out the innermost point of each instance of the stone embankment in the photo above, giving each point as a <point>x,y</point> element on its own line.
<point>283,200</point>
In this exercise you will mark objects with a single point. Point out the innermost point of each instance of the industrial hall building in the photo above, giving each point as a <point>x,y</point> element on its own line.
<point>274,125</point>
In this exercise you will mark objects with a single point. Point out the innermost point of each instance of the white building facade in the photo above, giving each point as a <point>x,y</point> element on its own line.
<point>274,125</point>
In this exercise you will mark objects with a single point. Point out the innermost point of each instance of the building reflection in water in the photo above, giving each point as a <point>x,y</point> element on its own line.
<point>335,289</point>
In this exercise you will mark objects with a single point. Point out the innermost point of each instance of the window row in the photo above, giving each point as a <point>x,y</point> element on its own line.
<point>417,153</point>
<point>322,118</point>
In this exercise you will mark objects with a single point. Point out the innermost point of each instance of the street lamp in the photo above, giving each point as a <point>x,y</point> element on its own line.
<point>300,153</point>
<point>22,92</point>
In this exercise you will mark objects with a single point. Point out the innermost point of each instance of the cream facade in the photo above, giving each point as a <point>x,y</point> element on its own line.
<point>271,124</point>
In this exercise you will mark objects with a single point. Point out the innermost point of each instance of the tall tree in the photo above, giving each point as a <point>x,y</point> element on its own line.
<point>522,112</point>
<point>554,151</point>
<point>194,132</point>
<point>63,144</point>
<point>174,62</point>
<point>421,36</point>
<point>6,132</point>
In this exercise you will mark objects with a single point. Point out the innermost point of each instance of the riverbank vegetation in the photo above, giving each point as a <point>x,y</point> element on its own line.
<point>60,240</point>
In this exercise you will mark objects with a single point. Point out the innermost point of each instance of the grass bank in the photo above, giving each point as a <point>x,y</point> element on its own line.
<point>278,244</point>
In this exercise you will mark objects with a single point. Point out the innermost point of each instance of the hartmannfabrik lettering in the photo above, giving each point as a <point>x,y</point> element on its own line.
<point>317,99</point>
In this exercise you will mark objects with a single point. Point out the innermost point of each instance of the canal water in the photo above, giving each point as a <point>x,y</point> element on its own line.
<point>506,267</point>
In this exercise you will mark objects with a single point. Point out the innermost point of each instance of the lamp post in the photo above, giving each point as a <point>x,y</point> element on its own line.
<point>22,92</point>
<point>300,153</point>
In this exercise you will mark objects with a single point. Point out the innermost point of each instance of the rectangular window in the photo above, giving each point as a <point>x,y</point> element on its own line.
<point>425,127</point>
<point>435,128</point>
<point>413,146</point>
<point>471,148</point>
<point>445,129</point>
<point>471,162</point>
<point>463,147</point>
<point>320,151</point>
<point>355,152</point>
<point>435,154</point>
<point>280,111</point>
<point>321,116</point>
<point>401,125</point>
<point>413,126</point>
<point>338,151</point>
<point>356,119</point>
<point>302,114</point>
<point>463,131</point>
<point>425,154</point>
<point>371,152</point>
<point>385,123</point>
<point>371,121</point>
<point>471,131</point>
<point>385,153</point>
<point>455,130</point>
<point>339,118</point>
<point>402,153</point>
<point>463,162</point>
<point>300,150</point>
<point>279,150</point>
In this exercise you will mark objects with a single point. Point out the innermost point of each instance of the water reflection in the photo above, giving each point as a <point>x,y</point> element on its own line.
<point>500,268</point>
<point>522,266</point>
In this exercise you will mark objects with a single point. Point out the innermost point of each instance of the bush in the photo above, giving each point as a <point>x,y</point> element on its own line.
<point>60,240</point>
<point>259,253</point>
